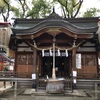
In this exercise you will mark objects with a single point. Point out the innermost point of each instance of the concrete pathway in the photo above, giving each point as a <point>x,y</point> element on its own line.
<point>30,94</point>
<point>52,98</point>
<point>4,89</point>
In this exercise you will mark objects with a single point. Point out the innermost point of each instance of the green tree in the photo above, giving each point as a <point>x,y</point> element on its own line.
<point>35,9</point>
<point>92,12</point>
<point>5,9</point>
<point>40,9</point>
<point>21,9</point>
<point>25,8</point>
<point>70,8</point>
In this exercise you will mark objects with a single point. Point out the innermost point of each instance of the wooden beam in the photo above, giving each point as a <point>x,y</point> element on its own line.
<point>79,35</point>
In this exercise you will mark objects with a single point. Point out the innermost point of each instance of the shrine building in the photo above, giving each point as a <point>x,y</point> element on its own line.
<point>56,47</point>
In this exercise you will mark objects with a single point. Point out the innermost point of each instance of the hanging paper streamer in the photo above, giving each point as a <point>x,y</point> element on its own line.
<point>58,52</point>
<point>35,44</point>
<point>66,53</point>
<point>50,52</point>
<point>43,53</point>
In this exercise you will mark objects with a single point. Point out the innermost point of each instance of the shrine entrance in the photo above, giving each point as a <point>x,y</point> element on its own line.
<point>62,65</point>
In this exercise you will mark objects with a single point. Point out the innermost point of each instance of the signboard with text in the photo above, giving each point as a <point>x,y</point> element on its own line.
<point>78,61</point>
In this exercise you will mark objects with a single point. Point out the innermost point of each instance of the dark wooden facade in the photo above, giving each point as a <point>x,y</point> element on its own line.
<point>77,36</point>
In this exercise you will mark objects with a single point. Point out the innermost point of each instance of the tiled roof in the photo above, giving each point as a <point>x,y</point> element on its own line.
<point>76,25</point>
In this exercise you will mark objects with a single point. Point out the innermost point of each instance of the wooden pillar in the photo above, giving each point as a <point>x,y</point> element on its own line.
<point>15,90</point>
<point>74,71</point>
<point>74,58</point>
<point>35,68</point>
<point>54,55</point>
<point>4,83</point>
<point>34,60</point>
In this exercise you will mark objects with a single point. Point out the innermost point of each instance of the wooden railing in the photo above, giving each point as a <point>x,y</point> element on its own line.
<point>88,76</point>
<point>43,82</point>
<point>8,74</point>
<point>26,75</point>
<point>68,84</point>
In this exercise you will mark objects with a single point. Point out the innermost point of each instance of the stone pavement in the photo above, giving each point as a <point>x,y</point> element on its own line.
<point>76,95</point>
<point>30,94</point>
<point>51,98</point>
<point>4,89</point>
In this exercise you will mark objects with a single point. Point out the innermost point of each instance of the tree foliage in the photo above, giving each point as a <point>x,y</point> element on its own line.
<point>40,8</point>
<point>70,8</point>
<point>5,9</point>
<point>22,8</point>
<point>35,9</point>
<point>92,12</point>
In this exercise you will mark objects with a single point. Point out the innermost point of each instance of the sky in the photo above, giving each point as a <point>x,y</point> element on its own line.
<point>90,3</point>
<point>86,5</point>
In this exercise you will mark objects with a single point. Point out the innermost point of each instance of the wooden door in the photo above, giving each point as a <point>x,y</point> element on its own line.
<point>24,64</point>
<point>89,66</point>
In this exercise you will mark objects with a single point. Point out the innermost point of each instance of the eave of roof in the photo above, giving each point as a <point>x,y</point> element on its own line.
<point>4,24</point>
<point>75,25</point>
<point>55,23</point>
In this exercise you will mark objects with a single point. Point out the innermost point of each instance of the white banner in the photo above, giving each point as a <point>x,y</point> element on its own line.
<point>33,76</point>
<point>78,61</point>
<point>74,73</point>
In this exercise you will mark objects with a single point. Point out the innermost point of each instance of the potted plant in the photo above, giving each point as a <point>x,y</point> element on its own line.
<point>5,68</point>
